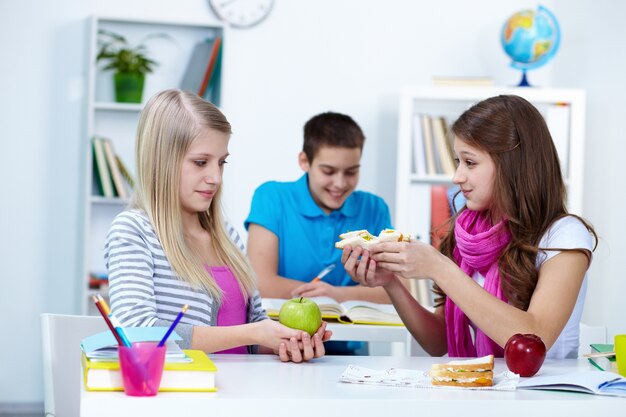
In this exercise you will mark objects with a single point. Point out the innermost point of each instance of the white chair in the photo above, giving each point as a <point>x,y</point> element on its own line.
<point>588,335</point>
<point>61,337</point>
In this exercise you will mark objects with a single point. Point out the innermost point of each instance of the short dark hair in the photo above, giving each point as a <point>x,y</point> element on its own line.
<point>331,129</point>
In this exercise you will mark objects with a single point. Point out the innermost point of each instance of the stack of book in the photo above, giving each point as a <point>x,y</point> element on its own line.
<point>111,176</point>
<point>203,72</point>
<point>603,363</point>
<point>184,370</point>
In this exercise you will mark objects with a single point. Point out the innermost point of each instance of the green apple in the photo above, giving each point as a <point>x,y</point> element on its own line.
<point>302,314</point>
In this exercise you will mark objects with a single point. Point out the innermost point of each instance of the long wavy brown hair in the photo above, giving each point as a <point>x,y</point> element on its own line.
<point>528,188</point>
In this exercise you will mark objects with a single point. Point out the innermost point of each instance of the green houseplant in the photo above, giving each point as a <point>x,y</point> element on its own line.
<point>130,63</point>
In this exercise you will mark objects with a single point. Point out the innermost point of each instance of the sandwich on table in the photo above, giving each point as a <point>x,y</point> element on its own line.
<point>476,372</point>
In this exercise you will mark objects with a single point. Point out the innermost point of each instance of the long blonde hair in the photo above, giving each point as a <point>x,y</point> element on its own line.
<point>169,123</point>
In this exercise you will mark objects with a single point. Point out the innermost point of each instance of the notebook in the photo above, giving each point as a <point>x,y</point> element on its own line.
<point>590,382</point>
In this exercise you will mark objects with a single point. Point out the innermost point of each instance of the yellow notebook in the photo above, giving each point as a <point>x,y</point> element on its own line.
<point>198,375</point>
<point>350,312</point>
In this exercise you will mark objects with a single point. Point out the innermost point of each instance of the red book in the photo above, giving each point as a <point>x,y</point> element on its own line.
<point>439,214</point>
<point>211,67</point>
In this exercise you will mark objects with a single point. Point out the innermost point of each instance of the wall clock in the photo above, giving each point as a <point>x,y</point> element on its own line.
<point>241,13</point>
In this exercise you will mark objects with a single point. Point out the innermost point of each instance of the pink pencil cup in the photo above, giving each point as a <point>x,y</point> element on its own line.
<point>142,368</point>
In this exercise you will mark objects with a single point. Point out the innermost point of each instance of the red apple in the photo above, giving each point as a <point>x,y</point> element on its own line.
<point>524,354</point>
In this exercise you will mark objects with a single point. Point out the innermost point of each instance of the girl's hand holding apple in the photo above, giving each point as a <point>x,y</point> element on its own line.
<point>291,344</point>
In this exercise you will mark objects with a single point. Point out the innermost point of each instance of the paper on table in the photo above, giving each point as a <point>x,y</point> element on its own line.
<point>396,377</point>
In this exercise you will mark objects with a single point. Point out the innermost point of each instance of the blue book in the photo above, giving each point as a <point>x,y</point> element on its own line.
<point>103,346</point>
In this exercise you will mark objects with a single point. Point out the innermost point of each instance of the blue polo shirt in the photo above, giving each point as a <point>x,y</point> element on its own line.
<point>307,235</point>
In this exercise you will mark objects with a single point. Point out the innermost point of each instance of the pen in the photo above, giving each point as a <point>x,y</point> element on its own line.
<point>171,329</point>
<point>323,273</point>
<point>115,322</point>
<point>106,319</point>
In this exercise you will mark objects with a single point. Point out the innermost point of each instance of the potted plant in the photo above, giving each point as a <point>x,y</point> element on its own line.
<point>130,63</point>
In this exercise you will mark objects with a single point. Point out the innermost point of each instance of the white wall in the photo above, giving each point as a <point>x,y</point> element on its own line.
<point>309,56</point>
<point>593,58</point>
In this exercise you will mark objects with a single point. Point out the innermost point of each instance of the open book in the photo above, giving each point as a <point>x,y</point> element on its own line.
<point>354,311</point>
<point>590,382</point>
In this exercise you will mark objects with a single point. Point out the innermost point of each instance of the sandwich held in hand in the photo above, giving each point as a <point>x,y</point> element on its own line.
<point>365,239</point>
<point>302,314</point>
<point>464,373</point>
<point>524,354</point>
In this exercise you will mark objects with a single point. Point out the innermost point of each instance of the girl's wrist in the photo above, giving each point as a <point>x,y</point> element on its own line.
<point>393,285</point>
<point>441,269</point>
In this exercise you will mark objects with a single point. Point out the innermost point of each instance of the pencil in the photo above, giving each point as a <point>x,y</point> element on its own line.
<point>171,329</point>
<point>115,322</point>
<point>106,319</point>
<point>323,273</point>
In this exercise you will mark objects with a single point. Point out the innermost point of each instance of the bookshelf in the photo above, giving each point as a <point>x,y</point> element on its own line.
<point>118,121</point>
<point>563,109</point>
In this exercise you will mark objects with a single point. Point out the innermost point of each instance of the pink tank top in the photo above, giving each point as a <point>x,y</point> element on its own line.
<point>233,310</point>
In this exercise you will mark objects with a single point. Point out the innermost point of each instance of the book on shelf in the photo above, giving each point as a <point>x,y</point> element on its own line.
<point>590,382</point>
<point>125,172</point>
<point>443,148</point>
<point>198,65</point>
<point>98,279</point>
<point>419,156</point>
<point>353,311</point>
<point>116,174</point>
<point>557,116</point>
<point>603,363</point>
<point>103,346</point>
<point>101,169</point>
<point>429,145</point>
<point>214,90</point>
<point>197,375</point>
<point>463,81</point>
<point>439,213</point>
<point>211,68</point>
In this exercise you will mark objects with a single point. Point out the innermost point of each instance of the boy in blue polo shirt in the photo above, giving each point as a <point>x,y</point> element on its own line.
<point>293,226</point>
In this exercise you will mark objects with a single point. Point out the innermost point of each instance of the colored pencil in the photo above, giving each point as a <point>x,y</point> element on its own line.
<point>106,319</point>
<point>171,329</point>
<point>323,273</point>
<point>115,322</point>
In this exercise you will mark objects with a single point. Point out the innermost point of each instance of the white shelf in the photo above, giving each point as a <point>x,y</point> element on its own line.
<point>430,179</point>
<point>97,199</point>
<point>112,106</point>
<point>118,121</point>
<point>413,191</point>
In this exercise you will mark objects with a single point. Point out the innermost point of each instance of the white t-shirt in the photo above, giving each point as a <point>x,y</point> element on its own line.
<point>566,233</point>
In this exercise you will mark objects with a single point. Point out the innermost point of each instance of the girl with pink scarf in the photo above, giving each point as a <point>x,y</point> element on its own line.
<point>513,259</point>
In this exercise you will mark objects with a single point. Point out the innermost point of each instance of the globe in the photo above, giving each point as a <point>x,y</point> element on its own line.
<point>531,39</point>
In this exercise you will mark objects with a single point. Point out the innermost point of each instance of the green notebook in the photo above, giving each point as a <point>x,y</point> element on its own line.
<point>603,364</point>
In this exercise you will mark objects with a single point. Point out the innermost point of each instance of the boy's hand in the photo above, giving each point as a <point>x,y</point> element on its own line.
<point>315,289</point>
<point>363,269</point>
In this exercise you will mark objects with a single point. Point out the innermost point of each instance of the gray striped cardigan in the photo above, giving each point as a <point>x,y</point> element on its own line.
<point>144,291</point>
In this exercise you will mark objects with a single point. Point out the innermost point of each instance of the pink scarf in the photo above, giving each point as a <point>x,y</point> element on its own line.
<point>478,246</point>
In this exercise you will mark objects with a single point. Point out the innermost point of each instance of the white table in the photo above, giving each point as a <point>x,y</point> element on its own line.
<point>260,385</point>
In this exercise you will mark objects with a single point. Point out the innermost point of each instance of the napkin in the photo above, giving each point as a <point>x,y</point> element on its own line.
<point>410,378</point>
